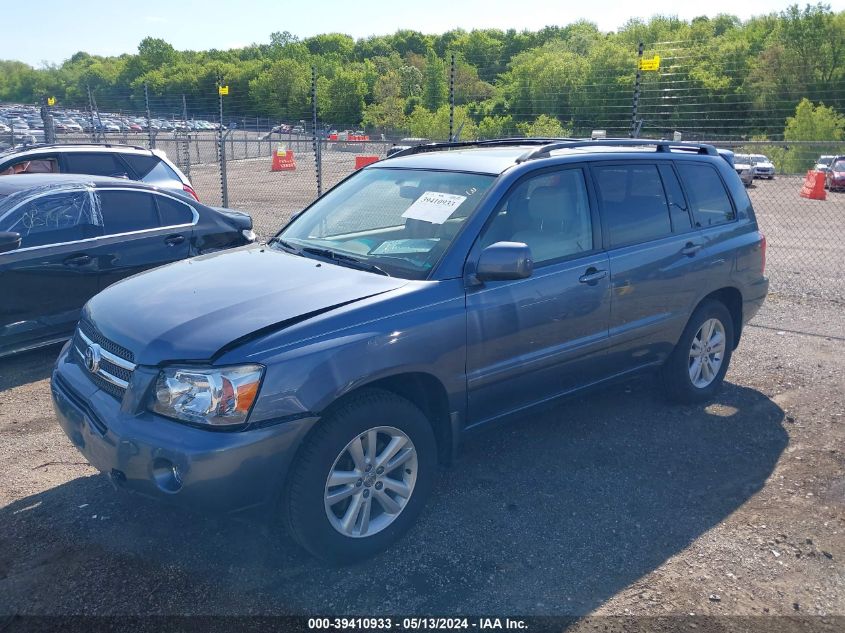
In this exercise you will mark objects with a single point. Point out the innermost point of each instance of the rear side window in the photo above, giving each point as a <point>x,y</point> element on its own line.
<point>710,203</point>
<point>141,164</point>
<point>100,164</point>
<point>125,211</point>
<point>633,203</point>
<point>161,173</point>
<point>172,212</point>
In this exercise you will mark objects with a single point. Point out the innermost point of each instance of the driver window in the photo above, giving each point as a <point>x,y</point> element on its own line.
<point>53,219</point>
<point>550,213</point>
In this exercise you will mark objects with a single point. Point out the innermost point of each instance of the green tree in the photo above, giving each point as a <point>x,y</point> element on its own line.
<point>435,90</point>
<point>811,123</point>
<point>544,126</point>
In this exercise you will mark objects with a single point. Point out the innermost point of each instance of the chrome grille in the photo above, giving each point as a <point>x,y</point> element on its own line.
<point>115,366</point>
<point>93,335</point>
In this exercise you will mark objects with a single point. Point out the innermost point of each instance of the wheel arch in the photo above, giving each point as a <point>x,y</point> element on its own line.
<point>427,393</point>
<point>731,298</point>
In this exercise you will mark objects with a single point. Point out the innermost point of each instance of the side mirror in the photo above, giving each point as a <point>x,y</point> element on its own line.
<point>9,241</point>
<point>503,261</point>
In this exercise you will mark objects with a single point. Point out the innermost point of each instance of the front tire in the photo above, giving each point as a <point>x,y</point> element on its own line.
<point>361,478</point>
<point>697,366</point>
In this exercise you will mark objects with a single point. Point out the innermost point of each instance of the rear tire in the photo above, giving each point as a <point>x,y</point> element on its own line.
<point>697,366</point>
<point>347,497</point>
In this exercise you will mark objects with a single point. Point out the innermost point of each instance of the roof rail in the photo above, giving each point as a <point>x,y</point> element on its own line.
<point>659,145</point>
<point>86,144</point>
<point>499,142</point>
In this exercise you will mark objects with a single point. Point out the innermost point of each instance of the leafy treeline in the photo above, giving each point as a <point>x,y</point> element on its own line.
<point>720,75</point>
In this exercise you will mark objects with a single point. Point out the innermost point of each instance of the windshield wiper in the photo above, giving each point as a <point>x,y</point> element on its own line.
<point>347,260</point>
<point>287,246</point>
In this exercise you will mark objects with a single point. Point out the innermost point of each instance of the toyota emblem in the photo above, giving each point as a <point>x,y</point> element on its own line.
<point>93,356</point>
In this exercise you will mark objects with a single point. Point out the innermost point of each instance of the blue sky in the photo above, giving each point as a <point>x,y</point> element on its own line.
<point>53,30</point>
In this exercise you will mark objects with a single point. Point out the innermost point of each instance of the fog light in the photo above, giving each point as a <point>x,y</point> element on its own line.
<point>167,475</point>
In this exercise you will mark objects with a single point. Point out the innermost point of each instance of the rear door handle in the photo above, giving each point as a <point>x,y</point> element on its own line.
<point>592,275</point>
<point>690,249</point>
<point>77,260</point>
<point>173,240</point>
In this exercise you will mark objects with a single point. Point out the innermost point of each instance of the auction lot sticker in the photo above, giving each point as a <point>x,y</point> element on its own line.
<point>434,207</point>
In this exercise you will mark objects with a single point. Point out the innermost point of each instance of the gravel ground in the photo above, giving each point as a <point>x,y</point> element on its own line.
<point>613,504</point>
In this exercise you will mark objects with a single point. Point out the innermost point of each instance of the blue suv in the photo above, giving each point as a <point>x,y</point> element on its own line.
<point>322,376</point>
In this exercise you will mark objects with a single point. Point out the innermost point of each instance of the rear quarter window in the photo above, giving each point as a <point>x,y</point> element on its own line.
<point>709,201</point>
<point>161,173</point>
<point>172,212</point>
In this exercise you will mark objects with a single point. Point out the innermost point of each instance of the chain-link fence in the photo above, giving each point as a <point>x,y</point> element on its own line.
<point>272,168</point>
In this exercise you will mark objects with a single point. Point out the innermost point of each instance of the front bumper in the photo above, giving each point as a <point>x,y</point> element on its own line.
<point>210,470</point>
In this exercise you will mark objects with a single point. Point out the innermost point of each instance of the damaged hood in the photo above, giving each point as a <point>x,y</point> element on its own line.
<point>192,309</point>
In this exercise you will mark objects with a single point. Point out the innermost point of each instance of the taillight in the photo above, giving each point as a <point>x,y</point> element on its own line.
<point>190,192</point>
<point>763,252</point>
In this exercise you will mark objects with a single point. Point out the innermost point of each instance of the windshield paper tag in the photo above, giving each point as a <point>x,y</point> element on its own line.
<point>434,207</point>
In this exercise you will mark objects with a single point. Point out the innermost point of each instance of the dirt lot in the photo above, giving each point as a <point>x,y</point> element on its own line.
<point>615,504</point>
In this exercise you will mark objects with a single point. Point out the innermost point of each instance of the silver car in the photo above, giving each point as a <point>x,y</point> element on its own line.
<point>745,168</point>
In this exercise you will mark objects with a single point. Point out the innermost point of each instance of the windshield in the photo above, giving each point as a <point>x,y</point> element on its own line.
<point>759,158</point>
<point>743,159</point>
<point>839,165</point>
<point>398,220</point>
<point>825,160</point>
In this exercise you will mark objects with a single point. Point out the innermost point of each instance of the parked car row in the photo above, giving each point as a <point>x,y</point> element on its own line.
<point>25,120</point>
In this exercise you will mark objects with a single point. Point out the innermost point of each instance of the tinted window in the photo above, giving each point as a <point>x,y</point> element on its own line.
<point>41,165</point>
<point>633,203</point>
<point>125,211</point>
<point>161,173</point>
<point>681,221</point>
<point>173,212</point>
<point>708,198</point>
<point>550,213</point>
<point>100,164</point>
<point>142,164</point>
<point>53,219</point>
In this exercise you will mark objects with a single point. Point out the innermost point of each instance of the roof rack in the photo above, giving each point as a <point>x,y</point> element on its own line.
<point>659,145</point>
<point>498,142</point>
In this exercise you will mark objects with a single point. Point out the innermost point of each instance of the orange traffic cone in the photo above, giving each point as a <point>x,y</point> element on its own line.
<point>283,160</point>
<point>814,186</point>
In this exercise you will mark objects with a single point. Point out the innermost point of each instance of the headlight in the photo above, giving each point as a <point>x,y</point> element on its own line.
<point>214,396</point>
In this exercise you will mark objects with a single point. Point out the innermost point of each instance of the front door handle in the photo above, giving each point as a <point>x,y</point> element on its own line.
<point>173,240</point>
<point>690,249</point>
<point>592,276</point>
<point>77,260</point>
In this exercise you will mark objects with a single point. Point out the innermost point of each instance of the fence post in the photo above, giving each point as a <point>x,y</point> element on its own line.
<point>150,135</point>
<point>635,129</point>
<point>187,148</point>
<point>221,147</point>
<point>318,162</point>
<point>47,119</point>
<point>452,100</point>
<point>91,107</point>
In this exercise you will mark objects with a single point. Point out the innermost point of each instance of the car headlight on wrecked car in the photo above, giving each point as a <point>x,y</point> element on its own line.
<point>213,396</point>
